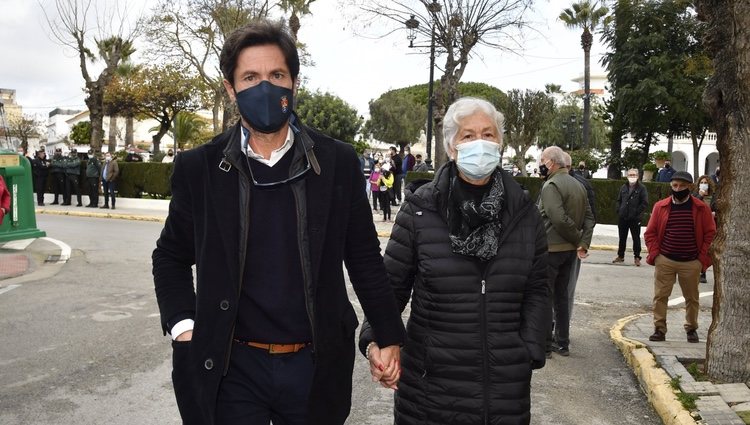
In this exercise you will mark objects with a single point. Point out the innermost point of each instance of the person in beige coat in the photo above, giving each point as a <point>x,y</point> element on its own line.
<point>110,172</point>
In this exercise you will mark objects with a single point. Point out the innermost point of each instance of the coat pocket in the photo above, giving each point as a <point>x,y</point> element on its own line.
<point>182,380</point>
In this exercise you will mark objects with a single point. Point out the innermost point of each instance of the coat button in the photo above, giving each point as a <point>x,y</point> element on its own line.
<point>224,305</point>
<point>208,364</point>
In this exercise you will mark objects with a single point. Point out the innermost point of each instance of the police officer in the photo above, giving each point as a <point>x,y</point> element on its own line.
<point>57,169</point>
<point>93,171</point>
<point>40,170</point>
<point>72,167</point>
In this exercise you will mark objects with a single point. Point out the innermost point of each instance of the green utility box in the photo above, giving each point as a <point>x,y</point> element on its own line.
<point>20,222</point>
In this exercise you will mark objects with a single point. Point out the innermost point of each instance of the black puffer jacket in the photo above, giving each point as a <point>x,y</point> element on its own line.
<point>476,329</point>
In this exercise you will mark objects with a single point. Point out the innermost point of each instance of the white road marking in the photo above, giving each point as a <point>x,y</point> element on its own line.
<point>18,245</point>
<point>680,300</point>
<point>64,249</point>
<point>8,288</point>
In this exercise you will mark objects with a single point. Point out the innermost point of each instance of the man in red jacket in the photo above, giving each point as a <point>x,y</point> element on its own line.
<point>678,236</point>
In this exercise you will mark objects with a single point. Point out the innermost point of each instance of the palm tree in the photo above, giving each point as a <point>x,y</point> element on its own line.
<point>297,7</point>
<point>588,16</point>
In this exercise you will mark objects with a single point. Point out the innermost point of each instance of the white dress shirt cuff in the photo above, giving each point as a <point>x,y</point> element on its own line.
<point>181,326</point>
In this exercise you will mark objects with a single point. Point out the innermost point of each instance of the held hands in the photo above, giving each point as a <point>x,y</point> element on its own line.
<point>385,365</point>
<point>582,253</point>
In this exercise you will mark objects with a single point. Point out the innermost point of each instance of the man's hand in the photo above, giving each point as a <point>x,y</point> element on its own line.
<point>385,365</point>
<point>185,336</point>
<point>582,253</point>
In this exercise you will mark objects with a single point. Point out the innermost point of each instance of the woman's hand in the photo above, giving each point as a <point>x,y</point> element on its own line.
<point>385,365</point>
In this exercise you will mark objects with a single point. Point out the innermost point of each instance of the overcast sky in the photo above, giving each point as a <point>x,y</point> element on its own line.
<point>46,75</point>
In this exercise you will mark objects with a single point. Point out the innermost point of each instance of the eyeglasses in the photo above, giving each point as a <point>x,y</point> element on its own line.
<point>280,182</point>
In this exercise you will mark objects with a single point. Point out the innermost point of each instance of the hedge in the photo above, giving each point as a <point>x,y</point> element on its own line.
<point>136,179</point>
<point>606,191</point>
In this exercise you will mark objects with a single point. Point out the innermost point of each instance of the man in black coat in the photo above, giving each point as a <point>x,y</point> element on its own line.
<point>40,170</point>
<point>267,212</point>
<point>631,203</point>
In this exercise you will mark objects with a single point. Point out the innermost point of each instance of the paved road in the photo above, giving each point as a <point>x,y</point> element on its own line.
<point>84,346</point>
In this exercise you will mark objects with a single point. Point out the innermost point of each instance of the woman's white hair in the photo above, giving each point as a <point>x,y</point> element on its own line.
<point>462,108</point>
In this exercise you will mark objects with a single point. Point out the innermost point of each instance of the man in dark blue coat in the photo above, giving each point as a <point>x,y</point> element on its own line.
<point>268,212</point>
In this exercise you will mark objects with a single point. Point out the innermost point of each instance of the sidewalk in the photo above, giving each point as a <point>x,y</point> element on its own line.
<point>654,363</point>
<point>658,364</point>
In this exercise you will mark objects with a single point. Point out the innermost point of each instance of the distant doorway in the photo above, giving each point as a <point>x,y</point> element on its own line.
<point>712,161</point>
<point>679,161</point>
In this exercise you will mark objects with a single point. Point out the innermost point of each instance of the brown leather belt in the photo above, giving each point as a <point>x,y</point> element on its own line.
<point>274,348</point>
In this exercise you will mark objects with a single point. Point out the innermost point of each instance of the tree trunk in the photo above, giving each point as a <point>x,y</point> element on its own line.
<point>128,134</point>
<point>586,41</point>
<point>94,102</point>
<point>112,132</point>
<point>163,129</point>
<point>216,109</point>
<point>727,97</point>
<point>696,153</point>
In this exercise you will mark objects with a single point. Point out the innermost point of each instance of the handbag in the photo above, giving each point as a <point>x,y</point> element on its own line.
<point>384,188</point>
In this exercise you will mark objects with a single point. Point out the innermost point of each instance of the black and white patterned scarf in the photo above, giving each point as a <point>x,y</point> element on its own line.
<point>474,226</point>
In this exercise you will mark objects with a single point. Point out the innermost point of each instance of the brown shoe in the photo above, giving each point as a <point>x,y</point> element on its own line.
<point>637,262</point>
<point>692,336</point>
<point>658,336</point>
<point>618,260</point>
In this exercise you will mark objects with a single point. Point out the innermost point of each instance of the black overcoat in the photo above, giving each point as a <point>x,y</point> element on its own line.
<point>208,226</point>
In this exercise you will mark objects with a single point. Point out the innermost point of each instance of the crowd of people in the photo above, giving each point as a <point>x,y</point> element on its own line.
<point>65,171</point>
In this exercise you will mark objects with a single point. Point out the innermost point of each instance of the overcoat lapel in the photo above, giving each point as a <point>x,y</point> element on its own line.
<point>319,193</point>
<point>225,200</point>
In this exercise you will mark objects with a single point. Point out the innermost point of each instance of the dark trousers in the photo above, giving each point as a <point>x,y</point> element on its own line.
<point>71,186</point>
<point>385,203</point>
<point>58,186</point>
<point>39,185</point>
<point>108,188</point>
<point>93,190</point>
<point>375,197</point>
<point>634,227</point>
<point>261,387</point>
<point>559,268</point>
<point>397,180</point>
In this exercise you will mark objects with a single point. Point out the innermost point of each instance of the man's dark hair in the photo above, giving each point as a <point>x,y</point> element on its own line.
<point>258,33</point>
<point>419,155</point>
<point>393,148</point>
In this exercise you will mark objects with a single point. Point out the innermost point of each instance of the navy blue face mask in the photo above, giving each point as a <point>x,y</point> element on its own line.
<point>266,107</point>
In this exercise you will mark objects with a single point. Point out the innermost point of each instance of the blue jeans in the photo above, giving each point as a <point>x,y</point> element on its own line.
<point>109,190</point>
<point>261,387</point>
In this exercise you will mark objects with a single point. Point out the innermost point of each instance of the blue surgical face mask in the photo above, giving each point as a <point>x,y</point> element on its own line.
<point>477,159</point>
<point>266,107</point>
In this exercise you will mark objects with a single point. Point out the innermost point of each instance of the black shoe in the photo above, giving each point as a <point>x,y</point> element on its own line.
<point>65,204</point>
<point>692,336</point>
<point>703,278</point>
<point>54,203</point>
<point>79,205</point>
<point>113,207</point>
<point>563,351</point>
<point>91,206</point>
<point>40,204</point>
<point>106,207</point>
<point>657,336</point>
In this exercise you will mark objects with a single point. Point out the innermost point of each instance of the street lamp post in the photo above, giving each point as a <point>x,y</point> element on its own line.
<point>412,24</point>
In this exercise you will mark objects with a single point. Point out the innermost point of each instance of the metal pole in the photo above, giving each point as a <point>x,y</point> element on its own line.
<point>428,161</point>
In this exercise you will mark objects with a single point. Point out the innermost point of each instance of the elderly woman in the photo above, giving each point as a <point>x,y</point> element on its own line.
<point>470,250</point>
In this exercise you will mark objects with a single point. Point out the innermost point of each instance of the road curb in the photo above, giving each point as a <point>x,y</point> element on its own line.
<point>102,215</point>
<point>653,379</point>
